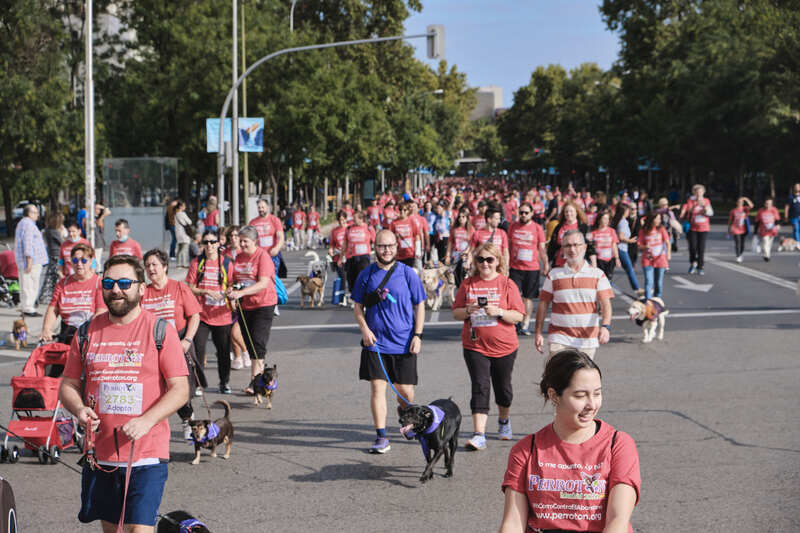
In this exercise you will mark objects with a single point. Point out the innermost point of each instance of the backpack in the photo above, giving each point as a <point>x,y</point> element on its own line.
<point>225,267</point>
<point>280,290</point>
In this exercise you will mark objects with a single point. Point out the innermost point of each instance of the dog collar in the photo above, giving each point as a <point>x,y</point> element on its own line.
<point>188,525</point>
<point>213,433</point>
<point>22,335</point>
<point>272,385</point>
<point>439,286</point>
<point>438,416</point>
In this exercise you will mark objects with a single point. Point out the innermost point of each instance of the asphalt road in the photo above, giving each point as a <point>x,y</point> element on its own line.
<point>712,408</point>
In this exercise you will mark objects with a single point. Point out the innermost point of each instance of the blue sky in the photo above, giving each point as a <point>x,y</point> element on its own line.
<point>500,42</point>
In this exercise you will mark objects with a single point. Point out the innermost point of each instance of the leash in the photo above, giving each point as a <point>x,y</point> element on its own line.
<point>128,468</point>
<point>385,373</point>
<point>246,329</point>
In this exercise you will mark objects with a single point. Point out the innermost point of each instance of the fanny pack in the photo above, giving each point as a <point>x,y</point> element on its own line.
<point>375,297</point>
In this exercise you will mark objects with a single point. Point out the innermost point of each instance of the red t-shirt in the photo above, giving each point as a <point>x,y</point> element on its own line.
<point>653,247</point>
<point>697,215</point>
<point>212,312</point>
<point>348,211</point>
<point>127,375</point>
<point>560,259</point>
<point>211,218</point>
<point>337,241</point>
<point>525,240</point>
<point>389,216</point>
<point>737,220</point>
<point>407,232</point>
<point>478,222</point>
<point>359,240</point>
<point>604,241</point>
<point>481,236</point>
<point>77,301</point>
<point>422,223</point>
<point>567,485</point>
<point>298,219</point>
<point>247,269</point>
<point>65,254</point>
<point>768,221</point>
<point>129,247</point>
<point>510,209</point>
<point>374,215</point>
<point>175,302</point>
<point>474,206</point>
<point>495,337</point>
<point>459,239</point>
<point>538,209</point>
<point>313,220</point>
<point>267,228</point>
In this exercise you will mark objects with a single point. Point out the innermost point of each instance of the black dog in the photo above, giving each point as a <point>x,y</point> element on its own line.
<point>264,386</point>
<point>180,522</point>
<point>208,435</point>
<point>436,425</point>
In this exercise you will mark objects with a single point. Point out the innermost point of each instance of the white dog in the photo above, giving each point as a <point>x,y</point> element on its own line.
<point>649,314</point>
<point>438,282</point>
<point>785,244</point>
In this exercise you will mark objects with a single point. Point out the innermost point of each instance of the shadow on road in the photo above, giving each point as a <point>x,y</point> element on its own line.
<point>362,471</point>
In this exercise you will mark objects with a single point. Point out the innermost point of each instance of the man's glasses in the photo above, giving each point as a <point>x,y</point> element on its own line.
<point>575,245</point>
<point>123,283</point>
<point>482,259</point>
<point>209,242</point>
<point>393,245</point>
<point>76,260</point>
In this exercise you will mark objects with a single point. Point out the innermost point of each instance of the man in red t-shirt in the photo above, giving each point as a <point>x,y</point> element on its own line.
<point>767,219</point>
<point>313,227</point>
<point>348,210</point>
<point>374,215</point>
<point>269,228</point>
<point>390,214</point>
<point>358,241</point>
<point>491,232</point>
<point>299,227</point>
<point>336,243</point>
<point>129,389</point>
<point>124,244</point>
<point>409,235</point>
<point>526,249</point>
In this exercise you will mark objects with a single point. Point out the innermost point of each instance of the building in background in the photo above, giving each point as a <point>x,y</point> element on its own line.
<point>490,100</point>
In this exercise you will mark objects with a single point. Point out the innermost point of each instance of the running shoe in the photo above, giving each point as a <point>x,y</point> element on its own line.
<point>504,430</point>
<point>739,259</point>
<point>477,442</point>
<point>224,388</point>
<point>237,364</point>
<point>525,331</point>
<point>198,391</point>
<point>381,445</point>
<point>277,311</point>
<point>766,259</point>
<point>246,358</point>
<point>692,269</point>
<point>701,272</point>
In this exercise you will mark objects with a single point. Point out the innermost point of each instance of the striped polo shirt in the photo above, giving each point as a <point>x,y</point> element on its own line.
<point>574,320</point>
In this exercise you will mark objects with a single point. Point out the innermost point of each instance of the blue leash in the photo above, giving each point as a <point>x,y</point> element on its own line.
<point>385,373</point>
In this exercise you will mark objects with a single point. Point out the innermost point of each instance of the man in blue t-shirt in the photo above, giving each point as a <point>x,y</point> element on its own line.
<point>792,211</point>
<point>391,322</point>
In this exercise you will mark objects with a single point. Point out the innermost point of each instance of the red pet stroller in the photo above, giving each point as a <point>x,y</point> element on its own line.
<point>42,424</point>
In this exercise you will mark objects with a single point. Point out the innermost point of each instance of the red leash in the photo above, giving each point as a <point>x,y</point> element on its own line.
<point>128,469</point>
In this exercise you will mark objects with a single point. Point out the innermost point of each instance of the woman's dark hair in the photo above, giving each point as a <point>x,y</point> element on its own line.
<point>649,221</point>
<point>210,232</point>
<point>561,367</point>
<point>599,215</point>
<point>160,254</point>
<point>618,215</point>
<point>468,225</point>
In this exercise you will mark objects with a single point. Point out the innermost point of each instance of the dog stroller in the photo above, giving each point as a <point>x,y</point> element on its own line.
<point>9,278</point>
<point>42,424</point>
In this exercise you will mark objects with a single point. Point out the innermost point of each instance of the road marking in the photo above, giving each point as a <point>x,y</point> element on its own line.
<point>763,276</point>
<point>446,323</point>
<point>684,283</point>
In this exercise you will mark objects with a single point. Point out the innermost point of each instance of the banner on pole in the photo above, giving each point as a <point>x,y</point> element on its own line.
<point>251,134</point>
<point>212,134</point>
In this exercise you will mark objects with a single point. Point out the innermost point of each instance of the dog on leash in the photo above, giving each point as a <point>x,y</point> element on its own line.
<point>436,426</point>
<point>787,244</point>
<point>19,333</point>
<point>650,314</point>
<point>207,434</point>
<point>180,522</point>
<point>311,287</point>
<point>264,386</point>
<point>438,282</point>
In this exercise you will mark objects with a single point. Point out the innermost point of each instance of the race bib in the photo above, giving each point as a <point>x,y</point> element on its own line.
<point>213,302</point>
<point>655,251</point>
<point>265,241</point>
<point>769,225</point>
<point>121,398</point>
<point>740,222</point>
<point>524,254</point>
<point>605,254</point>
<point>462,246</point>
<point>700,219</point>
<point>482,320</point>
<point>362,249</point>
<point>405,243</point>
<point>247,282</point>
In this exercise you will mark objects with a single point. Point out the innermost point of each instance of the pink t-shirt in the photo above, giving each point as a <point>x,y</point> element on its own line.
<point>337,241</point>
<point>698,219</point>
<point>737,220</point>
<point>653,247</point>
<point>459,239</point>
<point>247,269</point>
<point>126,376</point>
<point>213,312</point>
<point>267,228</point>
<point>500,239</point>
<point>129,247</point>
<point>407,232</point>
<point>77,301</point>
<point>604,241</point>
<point>768,221</point>
<point>313,220</point>
<point>175,302</point>
<point>359,240</point>
<point>567,485</point>
<point>298,219</point>
<point>494,336</point>
<point>524,248</point>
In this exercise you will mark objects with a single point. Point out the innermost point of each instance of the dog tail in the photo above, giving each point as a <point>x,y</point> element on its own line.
<point>313,254</point>
<point>225,405</point>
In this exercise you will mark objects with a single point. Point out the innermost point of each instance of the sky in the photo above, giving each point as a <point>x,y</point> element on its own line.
<point>501,42</point>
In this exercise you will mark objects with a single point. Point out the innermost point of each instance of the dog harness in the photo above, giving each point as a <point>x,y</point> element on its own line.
<point>21,335</point>
<point>651,311</point>
<point>213,433</point>
<point>188,525</point>
<point>272,385</point>
<point>439,286</point>
<point>438,416</point>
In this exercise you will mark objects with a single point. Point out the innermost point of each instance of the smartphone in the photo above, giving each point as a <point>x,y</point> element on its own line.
<point>483,301</point>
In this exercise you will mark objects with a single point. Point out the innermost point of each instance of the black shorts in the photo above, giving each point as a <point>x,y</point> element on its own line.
<point>353,267</point>
<point>527,281</point>
<point>402,369</point>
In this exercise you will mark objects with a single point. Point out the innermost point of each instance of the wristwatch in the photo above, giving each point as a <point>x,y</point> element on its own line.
<point>419,335</point>
<point>607,326</point>
<point>502,312</point>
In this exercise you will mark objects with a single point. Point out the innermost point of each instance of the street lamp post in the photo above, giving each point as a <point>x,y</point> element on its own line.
<point>235,125</point>
<point>88,119</point>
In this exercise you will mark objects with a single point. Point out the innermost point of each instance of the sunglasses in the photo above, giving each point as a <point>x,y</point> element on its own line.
<point>76,260</point>
<point>482,259</point>
<point>123,283</point>
<point>209,242</point>
<point>524,212</point>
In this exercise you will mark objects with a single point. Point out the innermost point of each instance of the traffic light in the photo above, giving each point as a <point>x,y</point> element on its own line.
<point>435,41</point>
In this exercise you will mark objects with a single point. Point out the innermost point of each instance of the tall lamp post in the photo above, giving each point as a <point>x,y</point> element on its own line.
<point>88,122</point>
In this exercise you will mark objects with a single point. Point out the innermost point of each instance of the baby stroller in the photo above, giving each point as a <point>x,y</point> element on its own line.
<point>42,424</point>
<point>9,276</point>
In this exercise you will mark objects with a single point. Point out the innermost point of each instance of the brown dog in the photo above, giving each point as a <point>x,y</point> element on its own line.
<point>208,435</point>
<point>264,386</point>
<point>311,287</point>
<point>20,332</point>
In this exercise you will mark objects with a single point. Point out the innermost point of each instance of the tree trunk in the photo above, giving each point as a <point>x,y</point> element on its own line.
<point>7,206</point>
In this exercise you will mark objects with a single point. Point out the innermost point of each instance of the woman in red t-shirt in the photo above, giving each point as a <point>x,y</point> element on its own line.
<point>605,241</point>
<point>697,211</point>
<point>656,254</point>
<point>490,305</point>
<point>578,473</point>
<point>254,275</point>
<point>458,242</point>
<point>767,219</point>
<point>240,357</point>
<point>738,224</point>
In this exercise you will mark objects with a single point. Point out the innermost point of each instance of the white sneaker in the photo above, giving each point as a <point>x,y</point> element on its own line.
<point>246,357</point>
<point>277,311</point>
<point>237,364</point>
<point>198,391</point>
<point>187,431</point>
<point>739,259</point>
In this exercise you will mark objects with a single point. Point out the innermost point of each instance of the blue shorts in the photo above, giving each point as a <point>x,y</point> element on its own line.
<point>101,494</point>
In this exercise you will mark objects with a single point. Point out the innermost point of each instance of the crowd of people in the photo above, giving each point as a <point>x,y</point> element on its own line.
<point>507,246</point>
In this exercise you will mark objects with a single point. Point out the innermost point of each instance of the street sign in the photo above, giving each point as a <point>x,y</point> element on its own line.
<point>212,134</point>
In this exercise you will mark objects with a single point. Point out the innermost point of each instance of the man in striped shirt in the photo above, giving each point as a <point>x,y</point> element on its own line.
<point>576,289</point>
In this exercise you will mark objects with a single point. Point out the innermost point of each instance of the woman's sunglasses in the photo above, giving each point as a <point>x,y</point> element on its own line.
<point>76,260</point>
<point>209,242</point>
<point>123,283</point>
<point>482,259</point>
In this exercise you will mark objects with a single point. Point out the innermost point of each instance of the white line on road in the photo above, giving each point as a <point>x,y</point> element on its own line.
<point>624,297</point>
<point>445,323</point>
<point>763,276</point>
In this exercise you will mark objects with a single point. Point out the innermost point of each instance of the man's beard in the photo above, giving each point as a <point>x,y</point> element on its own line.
<point>382,262</point>
<point>123,306</point>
